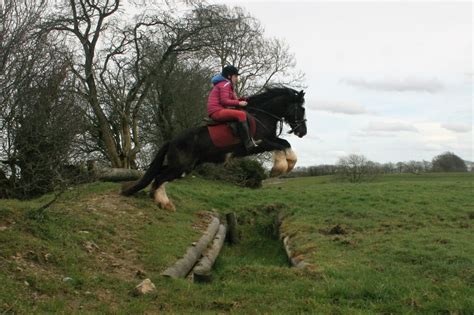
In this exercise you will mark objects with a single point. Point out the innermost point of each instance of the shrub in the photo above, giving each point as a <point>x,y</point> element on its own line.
<point>242,172</point>
<point>448,162</point>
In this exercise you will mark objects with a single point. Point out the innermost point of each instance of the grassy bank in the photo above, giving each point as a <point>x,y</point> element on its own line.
<point>401,244</point>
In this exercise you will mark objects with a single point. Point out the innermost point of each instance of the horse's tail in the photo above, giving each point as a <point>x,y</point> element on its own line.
<point>150,174</point>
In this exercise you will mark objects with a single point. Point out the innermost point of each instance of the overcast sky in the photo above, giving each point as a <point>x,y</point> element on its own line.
<point>390,80</point>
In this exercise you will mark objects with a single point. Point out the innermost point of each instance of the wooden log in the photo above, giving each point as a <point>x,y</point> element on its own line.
<point>202,278</point>
<point>118,174</point>
<point>184,265</point>
<point>232,231</point>
<point>202,270</point>
<point>297,261</point>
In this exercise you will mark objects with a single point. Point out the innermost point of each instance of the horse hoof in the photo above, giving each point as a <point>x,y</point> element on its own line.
<point>275,173</point>
<point>125,193</point>
<point>126,186</point>
<point>167,206</point>
<point>170,207</point>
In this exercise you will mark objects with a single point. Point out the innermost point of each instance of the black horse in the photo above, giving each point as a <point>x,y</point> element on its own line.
<point>182,154</point>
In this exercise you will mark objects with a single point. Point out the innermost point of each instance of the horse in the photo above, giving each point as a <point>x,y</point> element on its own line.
<point>179,156</point>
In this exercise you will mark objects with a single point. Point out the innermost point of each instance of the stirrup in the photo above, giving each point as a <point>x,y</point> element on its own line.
<point>250,144</point>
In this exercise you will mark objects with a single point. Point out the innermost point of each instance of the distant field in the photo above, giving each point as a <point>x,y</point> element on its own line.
<point>401,244</point>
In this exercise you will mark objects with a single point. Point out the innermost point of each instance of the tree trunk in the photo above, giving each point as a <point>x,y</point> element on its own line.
<point>118,174</point>
<point>104,126</point>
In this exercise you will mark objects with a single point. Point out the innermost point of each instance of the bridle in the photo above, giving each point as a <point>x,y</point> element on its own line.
<point>298,122</point>
<point>281,120</point>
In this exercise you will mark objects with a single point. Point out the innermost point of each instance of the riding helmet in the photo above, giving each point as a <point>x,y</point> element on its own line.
<point>229,70</point>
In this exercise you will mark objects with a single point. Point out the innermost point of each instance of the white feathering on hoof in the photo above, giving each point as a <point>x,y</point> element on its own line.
<point>280,165</point>
<point>161,198</point>
<point>291,159</point>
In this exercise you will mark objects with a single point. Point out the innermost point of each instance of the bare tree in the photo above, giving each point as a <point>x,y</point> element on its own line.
<point>37,114</point>
<point>17,42</point>
<point>47,122</point>
<point>116,80</point>
<point>356,168</point>
<point>415,167</point>
<point>261,61</point>
<point>177,101</point>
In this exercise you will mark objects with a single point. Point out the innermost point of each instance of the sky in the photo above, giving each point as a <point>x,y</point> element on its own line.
<point>390,80</point>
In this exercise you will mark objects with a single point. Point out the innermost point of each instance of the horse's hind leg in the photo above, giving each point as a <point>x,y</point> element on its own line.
<point>161,198</point>
<point>158,190</point>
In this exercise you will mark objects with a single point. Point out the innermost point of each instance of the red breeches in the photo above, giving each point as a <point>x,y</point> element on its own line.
<point>229,114</point>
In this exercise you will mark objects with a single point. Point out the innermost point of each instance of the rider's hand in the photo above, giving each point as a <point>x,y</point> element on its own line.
<point>243,103</point>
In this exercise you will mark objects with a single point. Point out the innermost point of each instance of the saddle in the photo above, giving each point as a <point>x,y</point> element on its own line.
<point>225,133</point>
<point>232,124</point>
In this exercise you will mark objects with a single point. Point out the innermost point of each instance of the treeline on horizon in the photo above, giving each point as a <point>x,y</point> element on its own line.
<point>357,167</point>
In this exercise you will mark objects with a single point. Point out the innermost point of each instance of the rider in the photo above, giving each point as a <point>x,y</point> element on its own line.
<point>221,100</point>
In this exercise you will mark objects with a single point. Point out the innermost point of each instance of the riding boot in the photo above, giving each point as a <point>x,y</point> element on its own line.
<point>244,133</point>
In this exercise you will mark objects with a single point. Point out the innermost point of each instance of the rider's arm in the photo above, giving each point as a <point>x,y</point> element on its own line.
<point>227,96</point>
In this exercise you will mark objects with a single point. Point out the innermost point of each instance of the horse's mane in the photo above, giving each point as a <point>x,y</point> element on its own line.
<point>270,93</point>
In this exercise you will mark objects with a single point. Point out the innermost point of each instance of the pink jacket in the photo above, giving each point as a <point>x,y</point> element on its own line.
<point>221,96</point>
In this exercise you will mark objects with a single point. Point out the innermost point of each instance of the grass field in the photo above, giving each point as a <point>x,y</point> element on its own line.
<point>401,244</point>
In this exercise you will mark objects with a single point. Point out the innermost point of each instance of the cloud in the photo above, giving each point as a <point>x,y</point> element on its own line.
<point>431,134</point>
<point>339,107</point>
<point>389,126</point>
<point>369,133</point>
<point>313,137</point>
<point>397,85</point>
<point>457,127</point>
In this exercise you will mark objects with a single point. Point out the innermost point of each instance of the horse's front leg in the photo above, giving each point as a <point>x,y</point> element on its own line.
<point>284,158</point>
<point>291,159</point>
<point>290,155</point>
<point>280,165</point>
<point>283,162</point>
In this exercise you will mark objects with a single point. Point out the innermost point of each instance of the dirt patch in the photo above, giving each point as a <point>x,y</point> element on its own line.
<point>117,258</point>
<point>204,218</point>
<point>335,230</point>
<point>108,203</point>
<point>121,264</point>
<point>346,242</point>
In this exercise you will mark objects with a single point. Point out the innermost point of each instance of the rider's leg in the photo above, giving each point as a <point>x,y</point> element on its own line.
<point>229,115</point>
<point>244,133</point>
<point>241,117</point>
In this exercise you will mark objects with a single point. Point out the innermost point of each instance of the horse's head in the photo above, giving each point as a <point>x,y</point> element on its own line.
<point>295,114</point>
<point>282,103</point>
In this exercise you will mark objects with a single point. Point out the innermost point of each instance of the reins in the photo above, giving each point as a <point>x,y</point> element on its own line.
<point>279,119</point>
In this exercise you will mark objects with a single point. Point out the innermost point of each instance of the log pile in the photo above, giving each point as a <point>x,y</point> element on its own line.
<point>202,270</point>
<point>214,235</point>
